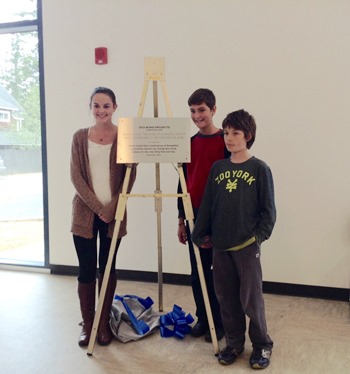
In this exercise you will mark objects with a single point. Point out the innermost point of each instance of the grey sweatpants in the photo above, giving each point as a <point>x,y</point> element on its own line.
<point>238,287</point>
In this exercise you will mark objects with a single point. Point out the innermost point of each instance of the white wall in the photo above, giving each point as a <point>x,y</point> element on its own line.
<point>286,62</point>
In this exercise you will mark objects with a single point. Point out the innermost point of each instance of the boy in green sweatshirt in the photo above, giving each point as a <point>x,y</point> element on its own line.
<point>236,215</point>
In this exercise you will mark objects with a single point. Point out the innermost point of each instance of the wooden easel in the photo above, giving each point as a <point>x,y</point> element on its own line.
<point>155,71</point>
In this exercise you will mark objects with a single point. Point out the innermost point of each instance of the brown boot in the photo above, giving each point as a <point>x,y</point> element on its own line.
<point>104,334</point>
<point>87,294</point>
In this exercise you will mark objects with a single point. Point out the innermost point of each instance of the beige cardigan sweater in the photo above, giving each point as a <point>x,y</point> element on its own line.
<point>85,202</point>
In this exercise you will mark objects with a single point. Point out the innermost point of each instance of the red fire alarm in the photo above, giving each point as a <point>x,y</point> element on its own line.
<point>101,56</point>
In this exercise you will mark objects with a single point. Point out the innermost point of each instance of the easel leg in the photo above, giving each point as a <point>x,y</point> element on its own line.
<point>158,209</point>
<point>155,71</point>
<point>189,216</point>
<point>119,217</point>
<point>143,99</point>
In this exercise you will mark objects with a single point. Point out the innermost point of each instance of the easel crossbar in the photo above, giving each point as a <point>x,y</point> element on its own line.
<point>158,195</point>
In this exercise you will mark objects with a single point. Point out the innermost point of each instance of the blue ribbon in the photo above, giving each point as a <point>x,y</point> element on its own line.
<point>178,321</point>
<point>139,325</point>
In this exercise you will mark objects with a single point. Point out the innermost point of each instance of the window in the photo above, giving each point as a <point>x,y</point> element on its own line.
<point>19,10</point>
<point>4,116</point>
<point>23,198</point>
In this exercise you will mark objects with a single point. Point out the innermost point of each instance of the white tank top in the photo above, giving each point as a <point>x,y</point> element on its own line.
<point>99,155</point>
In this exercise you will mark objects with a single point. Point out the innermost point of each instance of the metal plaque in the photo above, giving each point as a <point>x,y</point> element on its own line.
<point>154,140</point>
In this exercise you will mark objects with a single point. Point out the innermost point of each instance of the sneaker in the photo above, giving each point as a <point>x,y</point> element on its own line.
<point>220,333</point>
<point>199,329</point>
<point>229,355</point>
<point>260,358</point>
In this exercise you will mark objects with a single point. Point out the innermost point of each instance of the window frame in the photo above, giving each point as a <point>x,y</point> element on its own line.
<point>28,26</point>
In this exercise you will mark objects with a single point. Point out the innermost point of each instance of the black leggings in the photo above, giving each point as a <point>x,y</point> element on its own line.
<point>87,252</point>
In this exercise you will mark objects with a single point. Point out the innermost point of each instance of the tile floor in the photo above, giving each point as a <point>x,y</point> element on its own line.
<point>39,316</point>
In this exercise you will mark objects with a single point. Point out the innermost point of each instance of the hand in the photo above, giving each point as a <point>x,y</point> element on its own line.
<point>103,218</point>
<point>207,243</point>
<point>181,233</point>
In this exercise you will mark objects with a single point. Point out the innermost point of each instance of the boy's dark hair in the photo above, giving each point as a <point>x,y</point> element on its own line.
<point>202,95</point>
<point>106,91</point>
<point>243,121</point>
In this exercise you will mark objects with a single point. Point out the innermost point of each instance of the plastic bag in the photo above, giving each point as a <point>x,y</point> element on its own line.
<point>133,318</point>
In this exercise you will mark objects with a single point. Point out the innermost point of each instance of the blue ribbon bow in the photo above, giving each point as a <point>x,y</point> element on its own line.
<point>178,320</point>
